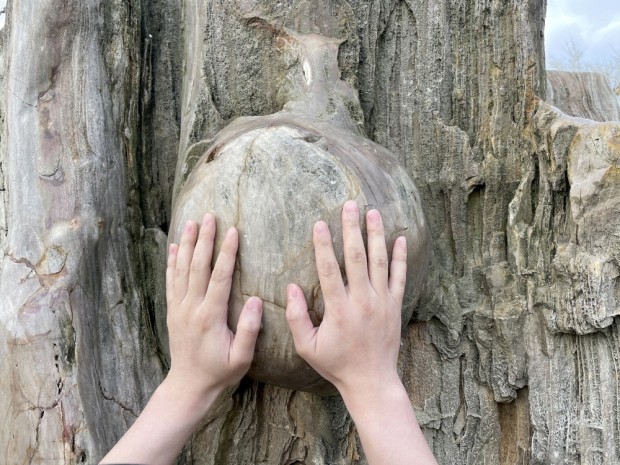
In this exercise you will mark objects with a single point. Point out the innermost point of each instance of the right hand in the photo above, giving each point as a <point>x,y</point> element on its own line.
<point>357,343</point>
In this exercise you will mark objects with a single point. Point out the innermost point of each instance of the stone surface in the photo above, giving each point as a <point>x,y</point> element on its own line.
<point>583,94</point>
<point>77,358</point>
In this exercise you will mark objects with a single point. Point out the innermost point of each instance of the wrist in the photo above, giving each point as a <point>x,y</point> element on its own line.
<point>171,416</point>
<point>186,400</point>
<point>371,396</point>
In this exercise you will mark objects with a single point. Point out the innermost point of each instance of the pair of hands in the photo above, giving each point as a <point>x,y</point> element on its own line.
<point>355,346</point>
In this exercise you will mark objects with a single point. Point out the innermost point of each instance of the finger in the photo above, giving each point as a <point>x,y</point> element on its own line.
<point>398,269</point>
<point>200,270</point>
<point>184,260</point>
<point>248,326</point>
<point>355,260</point>
<point>218,290</point>
<point>302,329</point>
<point>377,253</point>
<point>326,264</point>
<point>172,264</point>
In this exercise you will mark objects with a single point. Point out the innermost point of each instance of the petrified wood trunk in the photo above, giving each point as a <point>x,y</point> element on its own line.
<point>274,176</point>
<point>514,359</point>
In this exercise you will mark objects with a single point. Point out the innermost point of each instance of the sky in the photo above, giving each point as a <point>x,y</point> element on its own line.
<point>593,25</point>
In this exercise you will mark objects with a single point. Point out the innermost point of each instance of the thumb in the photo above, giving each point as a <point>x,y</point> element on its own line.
<point>299,321</point>
<point>248,326</point>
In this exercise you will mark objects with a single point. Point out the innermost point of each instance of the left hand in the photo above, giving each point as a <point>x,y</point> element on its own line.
<point>206,356</point>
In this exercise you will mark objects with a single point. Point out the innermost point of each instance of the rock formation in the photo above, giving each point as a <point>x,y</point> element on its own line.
<point>274,176</point>
<point>513,359</point>
<point>583,94</point>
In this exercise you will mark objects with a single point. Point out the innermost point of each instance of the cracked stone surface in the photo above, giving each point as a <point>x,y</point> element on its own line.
<point>273,177</point>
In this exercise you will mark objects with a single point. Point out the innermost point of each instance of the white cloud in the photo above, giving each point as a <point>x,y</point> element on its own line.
<point>593,25</point>
<point>560,21</point>
<point>559,16</point>
<point>612,29</point>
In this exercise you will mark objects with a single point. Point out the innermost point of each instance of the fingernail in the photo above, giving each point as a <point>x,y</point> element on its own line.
<point>320,226</point>
<point>350,206</point>
<point>172,249</point>
<point>254,303</point>
<point>402,241</point>
<point>207,219</point>
<point>373,216</point>
<point>291,291</point>
<point>188,226</point>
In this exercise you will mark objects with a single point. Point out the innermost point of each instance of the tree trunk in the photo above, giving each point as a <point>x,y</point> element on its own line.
<point>107,106</point>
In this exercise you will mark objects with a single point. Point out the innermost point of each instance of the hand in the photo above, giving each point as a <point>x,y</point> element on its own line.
<point>205,355</point>
<point>357,343</point>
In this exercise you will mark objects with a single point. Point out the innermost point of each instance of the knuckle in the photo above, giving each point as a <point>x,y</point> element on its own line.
<point>323,241</point>
<point>356,254</point>
<point>375,228</point>
<point>205,233</point>
<point>208,320</point>
<point>380,262</point>
<point>352,221</point>
<point>181,272</point>
<point>330,269</point>
<point>227,248</point>
<point>248,326</point>
<point>290,314</point>
<point>366,305</point>
<point>198,265</point>
<point>366,308</point>
<point>219,275</point>
<point>187,240</point>
<point>400,282</point>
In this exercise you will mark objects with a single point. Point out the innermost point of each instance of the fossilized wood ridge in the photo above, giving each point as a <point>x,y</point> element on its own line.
<point>513,360</point>
<point>583,94</point>
<point>77,358</point>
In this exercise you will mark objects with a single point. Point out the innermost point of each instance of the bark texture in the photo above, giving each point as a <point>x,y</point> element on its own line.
<point>108,105</point>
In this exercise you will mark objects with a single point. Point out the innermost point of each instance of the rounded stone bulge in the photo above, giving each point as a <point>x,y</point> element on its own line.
<point>273,178</point>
